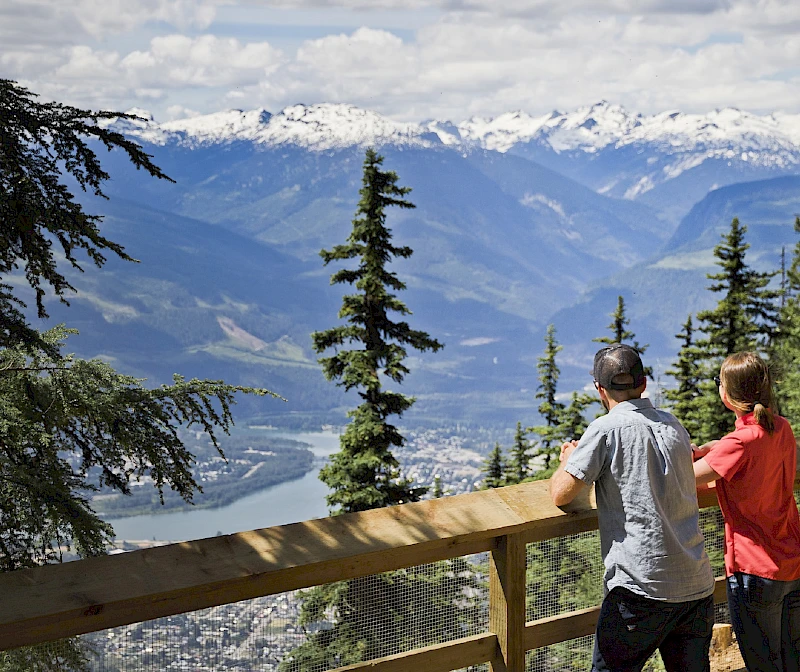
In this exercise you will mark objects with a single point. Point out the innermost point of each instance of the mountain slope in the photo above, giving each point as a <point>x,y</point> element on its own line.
<point>668,161</point>
<point>661,292</point>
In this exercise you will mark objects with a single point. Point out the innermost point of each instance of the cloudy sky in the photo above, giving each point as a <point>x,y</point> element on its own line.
<point>408,59</point>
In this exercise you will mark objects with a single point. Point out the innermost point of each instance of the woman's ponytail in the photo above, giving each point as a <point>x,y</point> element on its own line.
<point>764,417</point>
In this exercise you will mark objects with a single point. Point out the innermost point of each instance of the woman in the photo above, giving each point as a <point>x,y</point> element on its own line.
<point>756,466</point>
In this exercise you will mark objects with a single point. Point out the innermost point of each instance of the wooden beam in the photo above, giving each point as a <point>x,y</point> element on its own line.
<point>507,603</point>
<point>437,658</point>
<point>720,590</point>
<point>561,628</point>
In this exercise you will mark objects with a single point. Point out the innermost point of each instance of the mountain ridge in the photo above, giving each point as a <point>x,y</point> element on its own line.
<point>772,139</point>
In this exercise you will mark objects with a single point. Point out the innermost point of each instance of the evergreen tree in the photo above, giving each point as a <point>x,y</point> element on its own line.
<point>571,422</point>
<point>38,141</point>
<point>621,334</point>
<point>688,372</point>
<point>519,460</point>
<point>494,468</point>
<point>69,426</point>
<point>418,606</point>
<point>619,329</point>
<point>438,491</point>
<point>550,409</point>
<point>745,316</point>
<point>571,425</point>
<point>743,319</point>
<point>364,474</point>
<point>785,348</point>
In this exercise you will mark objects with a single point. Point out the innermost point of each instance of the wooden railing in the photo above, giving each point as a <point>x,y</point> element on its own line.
<point>47,603</point>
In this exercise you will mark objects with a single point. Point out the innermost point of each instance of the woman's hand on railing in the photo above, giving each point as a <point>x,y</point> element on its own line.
<point>701,451</point>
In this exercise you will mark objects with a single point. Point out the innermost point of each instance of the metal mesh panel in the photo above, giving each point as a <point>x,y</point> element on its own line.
<point>563,574</point>
<point>313,630</point>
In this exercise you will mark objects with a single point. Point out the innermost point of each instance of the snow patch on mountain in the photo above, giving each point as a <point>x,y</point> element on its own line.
<point>529,200</point>
<point>328,126</point>
<point>772,140</point>
<point>221,127</point>
<point>319,127</point>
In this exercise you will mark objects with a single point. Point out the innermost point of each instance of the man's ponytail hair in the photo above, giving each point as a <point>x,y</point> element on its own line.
<point>748,386</point>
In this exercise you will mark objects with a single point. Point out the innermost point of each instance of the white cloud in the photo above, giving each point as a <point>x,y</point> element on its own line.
<point>180,112</point>
<point>101,17</point>
<point>472,57</point>
<point>205,61</point>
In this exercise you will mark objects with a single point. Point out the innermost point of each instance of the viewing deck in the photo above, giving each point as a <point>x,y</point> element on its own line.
<point>48,603</point>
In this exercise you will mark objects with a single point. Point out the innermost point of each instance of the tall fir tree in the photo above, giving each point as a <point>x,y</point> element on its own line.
<point>688,372</point>
<point>744,318</point>
<point>421,605</point>
<point>494,468</point>
<point>518,467</point>
<point>619,329</point>
<point>621,334</point>
<point>785,347</point>
<point>364,474</point>
<point>549,409</point>
<point>746,315</point>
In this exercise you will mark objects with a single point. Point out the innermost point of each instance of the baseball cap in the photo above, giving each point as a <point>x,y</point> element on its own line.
<point>618,367</point>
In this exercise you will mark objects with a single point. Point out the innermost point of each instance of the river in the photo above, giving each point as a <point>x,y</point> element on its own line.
<point>289,502</point>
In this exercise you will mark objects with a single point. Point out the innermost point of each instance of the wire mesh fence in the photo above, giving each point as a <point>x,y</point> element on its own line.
<point>312,630</point>
<point>363,619</point>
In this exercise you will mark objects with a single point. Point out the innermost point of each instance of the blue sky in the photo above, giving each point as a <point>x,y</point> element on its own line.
<point>407,59</point>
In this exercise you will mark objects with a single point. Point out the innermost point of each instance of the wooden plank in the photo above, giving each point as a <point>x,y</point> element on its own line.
<point>437,658</point>
<point>77,611</point>
<point>720,590</point>
<point>561,628</point>
<point>707,497</point>
<point>507,603</point>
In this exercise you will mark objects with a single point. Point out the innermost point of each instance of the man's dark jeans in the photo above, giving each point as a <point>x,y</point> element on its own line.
<point>766,619</point>
<point>632,627</point>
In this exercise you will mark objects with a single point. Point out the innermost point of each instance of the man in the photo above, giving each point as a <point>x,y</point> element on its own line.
<point>658,581</point>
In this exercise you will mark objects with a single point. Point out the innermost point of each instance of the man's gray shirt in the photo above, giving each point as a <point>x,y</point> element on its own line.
<point>640,461</point>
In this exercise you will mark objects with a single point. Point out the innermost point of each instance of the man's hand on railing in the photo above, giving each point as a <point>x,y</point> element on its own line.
<point>567,492</point>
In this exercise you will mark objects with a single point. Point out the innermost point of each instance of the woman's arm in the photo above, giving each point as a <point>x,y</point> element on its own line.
<point>703,473</point>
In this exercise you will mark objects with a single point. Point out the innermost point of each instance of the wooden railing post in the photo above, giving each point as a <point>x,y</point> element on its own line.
<point>507,603</point>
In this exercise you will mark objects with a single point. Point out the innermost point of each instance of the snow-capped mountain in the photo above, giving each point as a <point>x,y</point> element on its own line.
<point>668,160</point>
<point>319,127</point>
<point>729,133</point>
<point>770,139</point>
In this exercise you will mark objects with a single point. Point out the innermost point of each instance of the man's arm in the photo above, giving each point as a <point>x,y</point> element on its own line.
<point>564,487</point>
